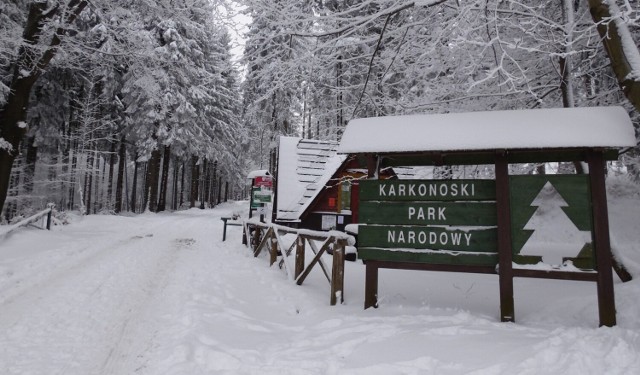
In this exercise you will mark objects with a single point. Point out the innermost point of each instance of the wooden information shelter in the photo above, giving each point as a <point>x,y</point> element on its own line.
<point>482,226</point>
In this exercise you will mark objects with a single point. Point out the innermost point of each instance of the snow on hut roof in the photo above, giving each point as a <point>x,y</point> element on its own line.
<point>304,168</point>
<point>608,127</point>
<point>258,173</point>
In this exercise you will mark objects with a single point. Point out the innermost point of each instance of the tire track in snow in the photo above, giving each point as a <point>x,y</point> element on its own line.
<point>74,257</point>
<point>92,307</point>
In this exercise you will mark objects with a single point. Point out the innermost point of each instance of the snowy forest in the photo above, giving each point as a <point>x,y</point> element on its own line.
<point>128,106</point>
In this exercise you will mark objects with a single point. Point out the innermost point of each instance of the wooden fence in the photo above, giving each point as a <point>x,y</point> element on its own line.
<point>31,220</point>
<point>270,236</point>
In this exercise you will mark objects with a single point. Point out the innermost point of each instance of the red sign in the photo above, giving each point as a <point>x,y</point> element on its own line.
<point>265,181</point>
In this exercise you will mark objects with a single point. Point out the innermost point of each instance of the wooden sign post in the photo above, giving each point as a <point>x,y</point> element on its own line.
<point>483,226</point>
<point>489,226</point>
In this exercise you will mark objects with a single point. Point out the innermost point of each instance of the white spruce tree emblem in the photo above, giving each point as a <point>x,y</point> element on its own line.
<point>554,236</point>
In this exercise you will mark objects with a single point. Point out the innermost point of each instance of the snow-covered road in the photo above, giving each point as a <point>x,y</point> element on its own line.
<point>161,294</point>
<point>88,302</point>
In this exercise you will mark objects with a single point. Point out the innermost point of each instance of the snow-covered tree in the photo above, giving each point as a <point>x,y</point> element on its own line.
<point>153,76</point>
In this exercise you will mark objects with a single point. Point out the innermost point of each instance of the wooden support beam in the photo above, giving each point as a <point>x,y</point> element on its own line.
<point>601,240</point>
<point>372,166</point>
<point>505,255</point>
<point>337,273</point>
<point>300,249</point>
<point>273,249</point>
<point>371,284</point>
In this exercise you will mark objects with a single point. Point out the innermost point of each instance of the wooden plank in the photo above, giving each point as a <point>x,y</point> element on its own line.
<point>427,190</point>
<point>556,275</point>
<point>433,213</point>
<point>428,256</point>
<point>505,264</point>
<point>436,238</point>
<point>311,156</point>
<point>305,144</point>
<point>273,249</point>
<point>302,164</point>
<point>316,259</point>
<point>488,157</point>
<point>437,158</point>
<point>310,172</point>
<point>491,269</point>
<point>256,239</point>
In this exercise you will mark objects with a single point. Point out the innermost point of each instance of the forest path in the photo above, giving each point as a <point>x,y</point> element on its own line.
<point>95,301</point>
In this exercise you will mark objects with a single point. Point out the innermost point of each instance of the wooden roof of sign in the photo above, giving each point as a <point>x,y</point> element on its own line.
<point>304,168</point>
<point>471,138</point>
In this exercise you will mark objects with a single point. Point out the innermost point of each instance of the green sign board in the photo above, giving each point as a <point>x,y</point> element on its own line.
<point>551,220</point>
<point>428,221</point>
<point>454,221</point>
<point>434,238</point>
<point>260,196</point>
<point>429,213</point>
<point>427,190</point>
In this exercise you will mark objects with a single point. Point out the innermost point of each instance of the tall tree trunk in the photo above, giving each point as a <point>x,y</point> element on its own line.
<point>182,185</point>
<point>566,70</point>
<point>194,181</point>
<point>210,185</point>
<point>11,209</point>
<point>339,104</point>
<point>203,183</point>
<point>30,165</point>
<point>73,175</point>
<point>143,197</point>
<point>134,188</point>
<point>620,47</point>
<point>164,180</point>
<point>112,163</point>
<point>31,62</point>
<point>214,176</point>
<point>122,158</point>
<point>174,185</point>
<point>101,173</point>
<point>88,183</point>
<point>153,179</point>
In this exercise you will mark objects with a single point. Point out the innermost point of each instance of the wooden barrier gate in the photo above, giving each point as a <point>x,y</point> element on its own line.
<point>261,235</point>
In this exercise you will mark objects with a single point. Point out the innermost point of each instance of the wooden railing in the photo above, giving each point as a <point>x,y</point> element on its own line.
<point>270,236</point>
<point>30,220</point>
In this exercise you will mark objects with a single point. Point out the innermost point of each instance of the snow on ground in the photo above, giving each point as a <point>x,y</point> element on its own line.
<point>162,294</point>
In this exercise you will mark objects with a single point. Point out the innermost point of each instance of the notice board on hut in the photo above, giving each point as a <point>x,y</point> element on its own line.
<point>487,225</point>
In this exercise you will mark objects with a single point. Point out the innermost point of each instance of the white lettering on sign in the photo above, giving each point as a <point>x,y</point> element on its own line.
<point>425,237</point>
<point>427,213</point>
<point>410,189</point>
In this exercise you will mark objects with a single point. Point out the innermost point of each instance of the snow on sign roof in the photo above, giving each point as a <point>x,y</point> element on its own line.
<point>519,129</point>
<point>258,173</point>
<point>304,168</point>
